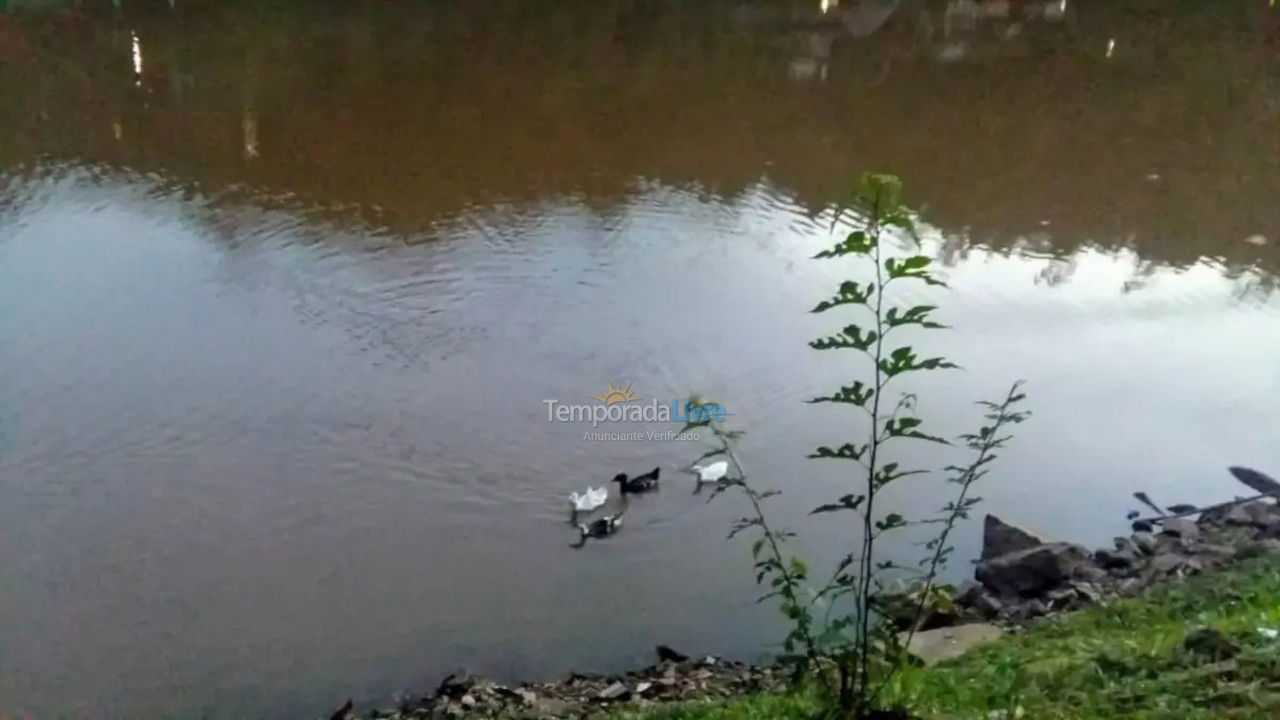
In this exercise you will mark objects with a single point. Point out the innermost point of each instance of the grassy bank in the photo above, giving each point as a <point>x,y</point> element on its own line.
<point>1148,657</point>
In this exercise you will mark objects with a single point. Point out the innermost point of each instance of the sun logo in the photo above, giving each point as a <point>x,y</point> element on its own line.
<point>616,394</point>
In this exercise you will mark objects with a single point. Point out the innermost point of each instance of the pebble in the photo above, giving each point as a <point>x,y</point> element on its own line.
<point>616,691</point>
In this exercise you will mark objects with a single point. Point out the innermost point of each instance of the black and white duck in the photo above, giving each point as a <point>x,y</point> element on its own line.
<point>647,482</point>
<point>601,527</point>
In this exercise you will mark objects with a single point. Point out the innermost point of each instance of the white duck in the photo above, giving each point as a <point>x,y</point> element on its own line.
<point>589,500</point>
<point>711,472</point>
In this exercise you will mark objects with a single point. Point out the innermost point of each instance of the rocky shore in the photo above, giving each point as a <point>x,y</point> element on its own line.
<point>674,678</point>
<point>1018,578</point>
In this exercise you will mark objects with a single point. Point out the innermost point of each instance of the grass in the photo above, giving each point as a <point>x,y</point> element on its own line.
<point>1129,659</point>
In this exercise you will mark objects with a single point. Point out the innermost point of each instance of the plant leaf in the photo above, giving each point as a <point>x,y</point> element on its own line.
<point>857,242</point>
<point>855,394</point>
<point>846,502</point>
<point>847,451</point>
<point>852,337</point>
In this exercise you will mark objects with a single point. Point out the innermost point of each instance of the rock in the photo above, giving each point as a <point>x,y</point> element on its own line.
<point>528,698</point>
<point>1143,526</point>
<point>1211,643</point>
<point>1089,592</point>
<point>1061,597</point>
<point>1145,542</point>
<point>1213,517</point>
<point>1001,538</point>
<point>468,701</point>
<point>1168,563</point>
<point>1224,552</point>
<point>1031,571</point>
<point>456,684</point>
<point>1036,608</point>
<point>616,691</point>
<point>1262,513</point>
<point>343,712</point>
<point>1180,527</point>
<point>1120,559</point>
<point>1241,514</point>
<point>1024,611</point>
<point>667,654</point>
<point>988,605</point>
<point>1091,573</point>
<point>968,592</point>
<point>1258,548</point>
<point>553,708</point>
<point>643,687</point>
<point>1177,544</point>
<point>1270,531</point>
<point>1131,586</point>
<point>933,646</point>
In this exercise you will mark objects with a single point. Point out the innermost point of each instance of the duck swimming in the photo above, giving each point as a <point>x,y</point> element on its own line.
<point>647,482</point>
<point>589,500</point>
<point>711,472</point>
<point>599,528</point>
<point>602,527</point>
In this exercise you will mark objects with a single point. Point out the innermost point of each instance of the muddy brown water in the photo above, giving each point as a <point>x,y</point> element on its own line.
<point>283,290</point>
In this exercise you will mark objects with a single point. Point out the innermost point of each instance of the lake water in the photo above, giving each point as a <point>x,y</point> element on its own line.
<point>283,291</point>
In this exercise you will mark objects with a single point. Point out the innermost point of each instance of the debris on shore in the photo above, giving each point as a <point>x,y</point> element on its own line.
<point>584,695</point>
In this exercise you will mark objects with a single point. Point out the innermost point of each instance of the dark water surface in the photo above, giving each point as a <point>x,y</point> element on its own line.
<point>283,289</point>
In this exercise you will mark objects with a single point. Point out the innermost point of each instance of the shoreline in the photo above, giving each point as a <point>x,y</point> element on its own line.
<point>1020,581</point>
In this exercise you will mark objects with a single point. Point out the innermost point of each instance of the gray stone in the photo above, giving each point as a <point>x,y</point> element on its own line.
<point>1168,563</point>
<point>1258,548</point>
<point>1214,517</point>
<point>933,646</point>
<point>1241,514</point>
<point>1031,571</point>
<point>1089,592</point>
<point>1170,543</point>
<point>553,707</point>
<point>1180,527</point>
<point>1221,551</point>
<point>968,592</point>
<point>1145,542</point>
<point>1131,586</point>
<point>989,605</point>
<point>1001,538</point>
<point>1122,559</point>
<point>1270,531</point>
<point>1026,610</point>
<point>1091,573</point>
<point>1262,513</point>
<point>1062,597</point>
<point>616,691</point>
